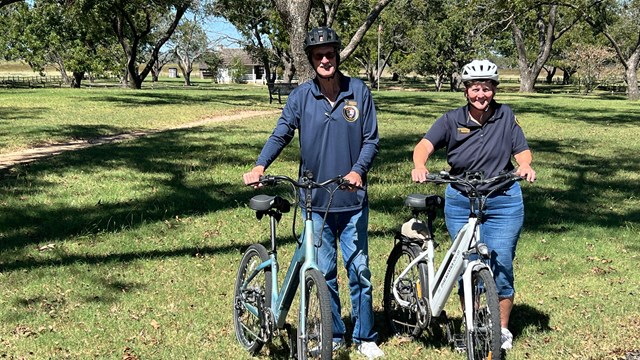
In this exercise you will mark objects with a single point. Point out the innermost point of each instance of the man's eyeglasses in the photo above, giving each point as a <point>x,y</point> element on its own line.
<point>329,55</point>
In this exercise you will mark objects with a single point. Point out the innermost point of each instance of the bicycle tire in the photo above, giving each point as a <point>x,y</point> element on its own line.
<point>316,343</point>
<point>484,341</point>
<point>248,327</point>
<point>404,320</point>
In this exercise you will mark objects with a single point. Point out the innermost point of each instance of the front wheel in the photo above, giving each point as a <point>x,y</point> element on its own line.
<point>252,300</point>
<point>413,288</point>
<point>316,341</point>
<point>484,341</point>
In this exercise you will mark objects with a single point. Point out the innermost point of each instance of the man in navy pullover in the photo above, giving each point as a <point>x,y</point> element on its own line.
<point>338,131</point>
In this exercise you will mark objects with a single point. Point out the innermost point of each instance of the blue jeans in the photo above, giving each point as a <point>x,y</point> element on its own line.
<point>500,230</point>
<point>351,228</point>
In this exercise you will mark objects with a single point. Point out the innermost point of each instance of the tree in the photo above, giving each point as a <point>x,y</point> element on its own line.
<point>133,23</point>
<point>443,35</point>
<point>265,38</point>
<point>140,29</point>
<point>50,33</point>
<point>213,61</point>
<point>535,25</point>
<point>562,48</point>
<point>189,43</point>
<point>618,22</point>
<point>236,70</point>
<point>163,59</point>
<point>591,62</point>
<point>12,20</point>
<point>377,48</point>
<point>295,15</point>
<point>7,2</point>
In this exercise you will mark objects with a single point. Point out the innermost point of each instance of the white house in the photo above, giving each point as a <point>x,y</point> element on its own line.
<point>254,71</point>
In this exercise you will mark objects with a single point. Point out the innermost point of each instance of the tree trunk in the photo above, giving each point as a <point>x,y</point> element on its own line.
<point>566,76</point>
<point>289,70</point>
<point>77,79</point>
<point>186,67</point>
<point>456,81</point>
<point>187,77</point>
<point>631,78</point>
<point>155,71</point>
<point>550,74</point>
<point>295,14</point>
<point>131,37</point>
<point>547,36</point>
<point>371,76</point>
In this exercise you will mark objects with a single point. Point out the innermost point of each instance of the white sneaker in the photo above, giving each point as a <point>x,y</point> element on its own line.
<point>370,350</point>
<point>507,339</point>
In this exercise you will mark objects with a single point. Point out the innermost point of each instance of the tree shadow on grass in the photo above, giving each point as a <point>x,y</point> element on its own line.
<point>526,317</point>
<point>172,157</point>
<point>168,158</point>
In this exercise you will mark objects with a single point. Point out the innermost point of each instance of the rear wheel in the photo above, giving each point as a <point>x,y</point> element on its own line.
<point>316,341</point>
<point>409,319</point>
<point>251,302</point>
<point>484,341</point>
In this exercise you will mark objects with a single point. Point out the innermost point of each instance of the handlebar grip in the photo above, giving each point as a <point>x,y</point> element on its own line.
<point>348,186</point>
<point>267,180</point>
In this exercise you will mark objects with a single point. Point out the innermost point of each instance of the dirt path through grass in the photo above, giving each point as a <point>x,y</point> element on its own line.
<point>40,152</point>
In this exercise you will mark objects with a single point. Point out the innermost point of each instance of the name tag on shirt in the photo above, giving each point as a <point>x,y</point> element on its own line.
<point>463,131</point>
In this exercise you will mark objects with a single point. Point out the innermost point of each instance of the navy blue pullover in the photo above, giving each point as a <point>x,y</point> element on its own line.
<point>334,140</point>
<point>474,147</point>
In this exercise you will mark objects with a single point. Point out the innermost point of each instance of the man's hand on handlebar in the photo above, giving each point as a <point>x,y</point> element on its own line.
<point>354,179</point>
<point>419,174</point>
<point>253,177</point>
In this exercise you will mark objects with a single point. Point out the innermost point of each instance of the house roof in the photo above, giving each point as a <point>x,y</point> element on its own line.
<point>228,55</point>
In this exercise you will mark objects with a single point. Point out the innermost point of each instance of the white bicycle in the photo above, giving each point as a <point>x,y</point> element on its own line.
<point>415,294</point>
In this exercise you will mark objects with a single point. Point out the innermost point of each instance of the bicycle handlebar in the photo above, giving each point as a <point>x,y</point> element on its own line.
<point>306,183</point>
<point>474,180</point>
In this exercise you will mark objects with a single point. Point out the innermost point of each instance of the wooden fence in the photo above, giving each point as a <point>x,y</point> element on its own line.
<point>30,81</point>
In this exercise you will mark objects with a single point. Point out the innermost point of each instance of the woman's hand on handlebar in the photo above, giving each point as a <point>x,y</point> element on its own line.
<point>526,172</point>
<point>419,174</point>
<point>252,178</point>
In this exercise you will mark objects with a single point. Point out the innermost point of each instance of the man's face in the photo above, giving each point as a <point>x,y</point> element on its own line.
<point>324,59</point>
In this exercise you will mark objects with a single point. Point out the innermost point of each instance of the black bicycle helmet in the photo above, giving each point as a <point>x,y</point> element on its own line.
<point>321,36</point>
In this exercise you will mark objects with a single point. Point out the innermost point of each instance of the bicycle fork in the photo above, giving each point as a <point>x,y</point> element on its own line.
<point>310,262</point>
<point>467,283</point>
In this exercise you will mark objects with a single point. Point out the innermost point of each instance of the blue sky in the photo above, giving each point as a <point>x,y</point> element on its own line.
<point>221,32</point>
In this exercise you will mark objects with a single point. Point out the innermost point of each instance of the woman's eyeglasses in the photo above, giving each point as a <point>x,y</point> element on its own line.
<point>329,55</point>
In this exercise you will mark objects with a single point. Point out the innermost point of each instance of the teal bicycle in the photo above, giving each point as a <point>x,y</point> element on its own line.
<point>260,308</point>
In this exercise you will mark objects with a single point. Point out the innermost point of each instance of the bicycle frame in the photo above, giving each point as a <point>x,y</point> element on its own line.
<point>454,262</point>
<point>303,259</point>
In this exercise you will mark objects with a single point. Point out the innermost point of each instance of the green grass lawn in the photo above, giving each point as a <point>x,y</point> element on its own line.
<point>129,250</point>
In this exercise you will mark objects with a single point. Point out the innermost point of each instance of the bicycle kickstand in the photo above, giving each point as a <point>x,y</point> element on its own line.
<point>292,341</point>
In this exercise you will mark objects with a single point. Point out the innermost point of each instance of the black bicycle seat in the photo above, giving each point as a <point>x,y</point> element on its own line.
<point>424,202</point>
<point>267,202</point>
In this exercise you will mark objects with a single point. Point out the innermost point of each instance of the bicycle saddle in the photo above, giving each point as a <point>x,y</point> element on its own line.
<point>424,202</point>
<point>267,202</point>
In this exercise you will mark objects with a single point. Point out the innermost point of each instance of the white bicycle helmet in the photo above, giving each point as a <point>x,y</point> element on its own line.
<point>480,70</point>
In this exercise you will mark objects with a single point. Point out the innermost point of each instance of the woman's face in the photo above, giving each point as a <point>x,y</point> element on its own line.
<point>324,60</point>
<point>480,94</point>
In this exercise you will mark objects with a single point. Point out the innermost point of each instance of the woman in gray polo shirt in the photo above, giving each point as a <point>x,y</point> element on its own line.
<point>483,136</point>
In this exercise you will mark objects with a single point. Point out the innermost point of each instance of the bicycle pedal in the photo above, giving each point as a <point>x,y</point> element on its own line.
<point>459,344</point>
